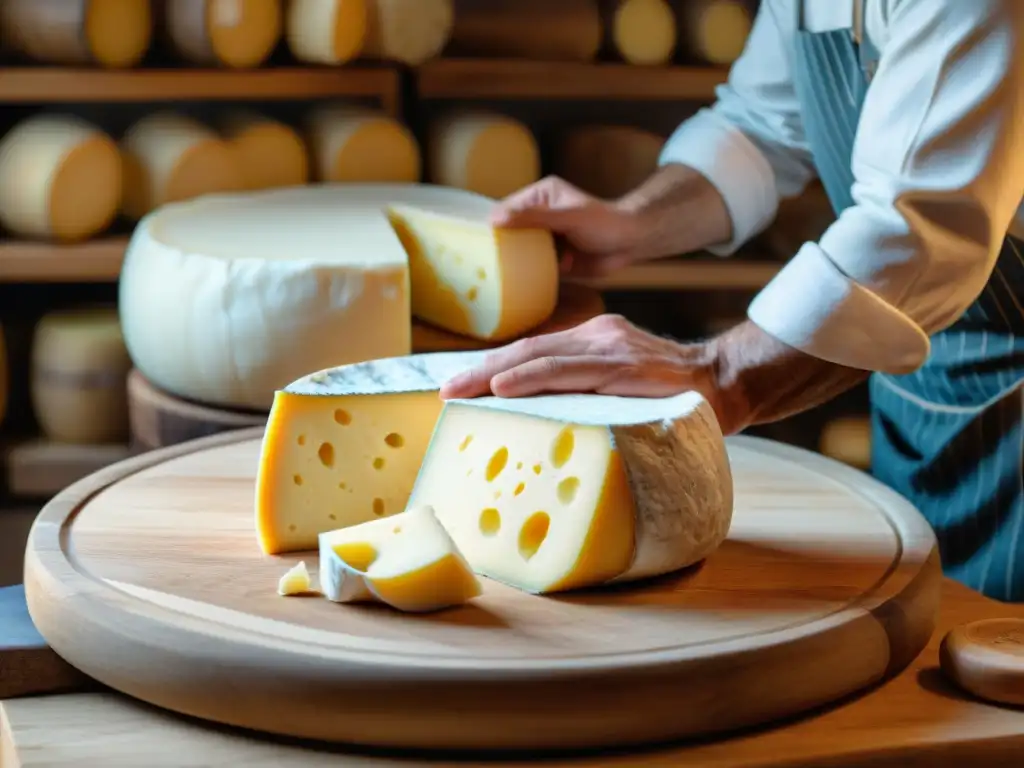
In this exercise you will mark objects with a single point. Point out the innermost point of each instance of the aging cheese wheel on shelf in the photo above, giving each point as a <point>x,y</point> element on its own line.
<point>607,160</point>
<point>642,32</point>
<point>408,31</point>
<point>713,31</point>
<point>228,298</point>
<point>60,178</point>
<point>108,33</point>
<point>543,493</point>
<point>848,439</point>
<point>326,31</point>
<point>350,143</point>
<point>169,157</point>
<point>230,33</point>
<point>542,30</point>
<point>482,152</point>
<point>270,153</point>
<point>79,376</point>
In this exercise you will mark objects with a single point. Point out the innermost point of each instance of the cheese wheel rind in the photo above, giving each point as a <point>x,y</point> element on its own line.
<point>270,153</point>
<point>352,143</point>
<point>644,32</point>
<point>714,31</point>
<point>331,32</point>
<point>410,32</point>
<point>608,161</point>
<point>239,34</point>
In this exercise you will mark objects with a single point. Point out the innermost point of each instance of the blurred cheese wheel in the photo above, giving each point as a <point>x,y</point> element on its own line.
<point>541,30</point>
<point>714,31</point>
<point>326,31</point>
<point>643,32</point>
<point>232,33</point>
<point>349,143</point>
<point>270,153</point>
<point>608,160</point>
<point>848,440</point>
<point>408,31</point>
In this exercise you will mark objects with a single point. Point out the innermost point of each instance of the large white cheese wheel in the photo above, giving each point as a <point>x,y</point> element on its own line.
<point>543,30</point>
<point>544,493</point>
<point>228,298</point>
<point>326,31</point>
<point>60,177</point>
<point>349,143</point>
<point>79,376</point>
<point>483,152</point>
<point>270,153</point>
<point>108,33</point>
<point>848,439</point>
<point>714,31</point>
<point>169,157</point>
<point>642,32</point>
<point>231,33</point>
<point>608,160</point>
<point>408,31</point>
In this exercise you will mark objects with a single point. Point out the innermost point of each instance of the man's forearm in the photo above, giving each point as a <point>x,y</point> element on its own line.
<point>763,380</point>
<point>677,210</point>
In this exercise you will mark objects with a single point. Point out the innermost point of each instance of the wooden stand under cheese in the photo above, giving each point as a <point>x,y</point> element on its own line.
<point>270,153</point>
<point>79,376</point>
<point>483,152</point>
<point>551,30</point>
<point>408,31</point>
<point>108,33</point>
<point>60,178</point>
<point>230,33</point>
<point>326,31</point>
<point>608,160</point>
<point>168,157</point>
<point>350,143</point>
<point>713,31</point>
<point>641,32</point>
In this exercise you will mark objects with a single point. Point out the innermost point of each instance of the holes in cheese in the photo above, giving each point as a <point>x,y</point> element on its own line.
<point>483,152</point>
<point>326,31</point>
<point>350,143</point>
<point>848,439</point>
<point>714,31</point>
<point>108,33</point>
<point>566,30</point>
<point>270,153</point>
<point>608,161</point>
<point>407,31</point>
<point>550,493</point>
<point>240,34</point>
<point>643,32</point>
<point>470,278</point>
<point>408,562</point>
<point>168,157</point>
<point>295,581</point>
<point>78,376</point>
<point>60,178</point>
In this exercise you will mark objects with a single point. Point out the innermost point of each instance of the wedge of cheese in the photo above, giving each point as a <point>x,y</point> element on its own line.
<point>227,298</point>
<point>295,581</point>
<point>544,493</point>
<point>407,561</point>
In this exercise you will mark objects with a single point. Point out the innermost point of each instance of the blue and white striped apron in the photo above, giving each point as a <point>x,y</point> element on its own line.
<point>950,436</point>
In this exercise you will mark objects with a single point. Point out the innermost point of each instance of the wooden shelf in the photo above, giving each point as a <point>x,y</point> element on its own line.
<point>39,469</point>
<point>96,261</point>
<point>693,273</point>
<point>507,79</point>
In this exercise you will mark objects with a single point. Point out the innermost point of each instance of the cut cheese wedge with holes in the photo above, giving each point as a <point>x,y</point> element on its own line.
<point>295,581</point>
<point>326,31</point>
<point>60,178</point>
<point>407,561</point>
<point>228,298</point>
<point>350,143</point>
<point>544,493</point>
<point>270,153</point>
<point>240,34</point>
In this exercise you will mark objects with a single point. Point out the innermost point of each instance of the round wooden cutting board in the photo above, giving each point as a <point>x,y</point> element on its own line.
<point>147,577</point>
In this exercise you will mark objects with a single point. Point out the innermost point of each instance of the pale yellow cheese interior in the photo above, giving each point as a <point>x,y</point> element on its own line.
<point>295,581</point>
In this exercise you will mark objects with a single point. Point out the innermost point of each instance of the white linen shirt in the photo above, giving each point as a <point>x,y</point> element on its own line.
<point>938,162</point>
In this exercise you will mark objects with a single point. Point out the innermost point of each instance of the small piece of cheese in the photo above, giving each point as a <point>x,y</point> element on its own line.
<point>239,34</point>
<point>483,152</point>
<point>848,439</point>
<point>169,157</point>
<point>407,561</point>
<point>608,161</point>
<point>350,143</point>
<point>539,30</point>
<point>326,31</point>
<point>544,493</point>
<point>270,153</point>
<point>410,32</point>
<point>295,581</point>
<point>714,31</point>
<point>643,32</point>
<point>60,178</point>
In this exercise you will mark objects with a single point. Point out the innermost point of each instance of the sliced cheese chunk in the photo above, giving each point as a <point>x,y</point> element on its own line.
<point>295,581</point>
<point>169,157</point>
<point>542,30</point>
<point>714,31</point>
<point>544,493</point>
<point>231,33</point>
<point>407,561</point>
<point>350,143</point>
<point>60,178</point>
<point>483,152</point>
<point>643,32</point>
<point>608,161</point>
<point>326,31</point>
<point>408,31</point>
<point>109,33</point>
<point>473,279</point>
<point>270,153</point>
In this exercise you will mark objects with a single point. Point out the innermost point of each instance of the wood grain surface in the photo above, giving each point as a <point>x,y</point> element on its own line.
<point>986,658</point>
<point>147,577</point>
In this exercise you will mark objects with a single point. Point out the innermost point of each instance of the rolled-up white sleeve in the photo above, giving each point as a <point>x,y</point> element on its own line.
<point>750,144</point>
<point>939,171</point>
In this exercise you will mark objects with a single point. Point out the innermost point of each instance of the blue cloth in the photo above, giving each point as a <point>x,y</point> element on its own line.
<point>950,436</point>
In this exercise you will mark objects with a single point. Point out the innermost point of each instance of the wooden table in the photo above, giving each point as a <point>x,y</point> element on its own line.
<point>916,719</point>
